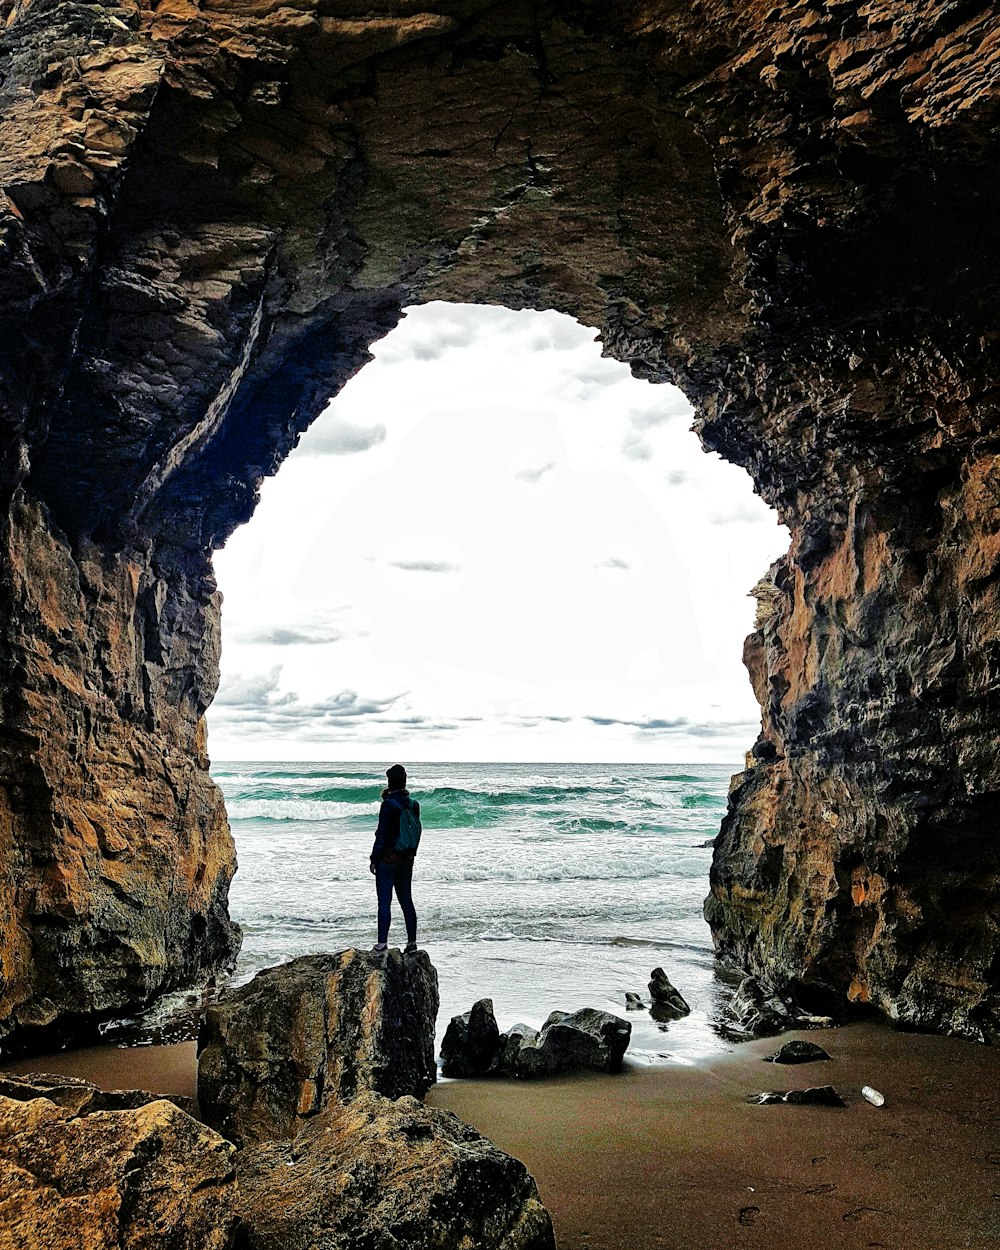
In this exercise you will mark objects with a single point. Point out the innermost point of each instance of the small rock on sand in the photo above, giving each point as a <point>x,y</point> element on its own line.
<point>818,1095</point>
<point>798,1052</point>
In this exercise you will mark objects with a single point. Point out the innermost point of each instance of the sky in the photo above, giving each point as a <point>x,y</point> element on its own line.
<point>494,545</point>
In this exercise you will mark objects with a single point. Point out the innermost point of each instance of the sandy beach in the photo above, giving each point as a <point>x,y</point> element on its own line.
<point>672,1157</point>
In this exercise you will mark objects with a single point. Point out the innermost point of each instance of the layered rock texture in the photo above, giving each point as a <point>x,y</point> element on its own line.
<point>316,1031</point>
<point>208,213</point>
<point>388,1174</point>
<point>324,1159</point>
<point>566,1042</point>
<point>82,1168</point>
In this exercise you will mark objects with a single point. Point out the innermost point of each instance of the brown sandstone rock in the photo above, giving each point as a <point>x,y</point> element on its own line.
<point>145,1178</point>
<point>319,1030</point>
<point>388,1174</point>
<point>208,215</point>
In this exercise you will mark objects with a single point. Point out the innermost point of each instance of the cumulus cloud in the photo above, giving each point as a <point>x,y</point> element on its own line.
<point>335,437</point>
<point>561,334</point>
<point>252,705</point>
<point>442,327</point>
<point>534,475</point>
<point>425,566</point>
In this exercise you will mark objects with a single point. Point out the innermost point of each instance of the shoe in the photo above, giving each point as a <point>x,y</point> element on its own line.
<point>380,947</point>
<point>410,948</point>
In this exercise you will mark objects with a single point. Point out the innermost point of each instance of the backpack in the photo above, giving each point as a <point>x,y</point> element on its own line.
<point>409,827</point>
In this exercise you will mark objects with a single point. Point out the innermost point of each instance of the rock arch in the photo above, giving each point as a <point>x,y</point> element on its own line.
<point>211,209</point>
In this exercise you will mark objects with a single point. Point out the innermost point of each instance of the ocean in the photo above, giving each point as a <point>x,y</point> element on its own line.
<point>539,886</point>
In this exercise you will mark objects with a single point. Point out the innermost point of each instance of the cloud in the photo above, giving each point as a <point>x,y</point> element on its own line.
<point>442,328</point>
<point>534,475</point>
<point>561,335</point>
<point>589,383</point>
<point>279,637</point>
<point>678,477</point>
<point>335,437</point>
<point>748,512</point>
<point>425,566</point>
<point>248,693</point>
<point>636,448</point>
<point>613,562</point>
<point>646,418</point>
<point>253,705</point>
<point>678,725</point>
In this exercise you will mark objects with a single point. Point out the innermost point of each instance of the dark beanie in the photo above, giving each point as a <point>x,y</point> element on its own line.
<point>397,777</point>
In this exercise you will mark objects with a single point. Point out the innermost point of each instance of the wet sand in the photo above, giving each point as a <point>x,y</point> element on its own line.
<point>672,1158</point>
<point>160,1069</point>
<point>665,1158</point>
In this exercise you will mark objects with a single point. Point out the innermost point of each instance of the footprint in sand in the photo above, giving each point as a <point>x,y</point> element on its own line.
<point>859,1213</point>
<point>748,1215</point>
<point>821,1189</point>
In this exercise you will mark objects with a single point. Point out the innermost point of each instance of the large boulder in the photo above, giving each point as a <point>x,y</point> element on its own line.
<point>388,1176</point>
<point>320,1029</point>
<point>88,1169</point>
<point>587,1038</point>
<point>471,1042</point>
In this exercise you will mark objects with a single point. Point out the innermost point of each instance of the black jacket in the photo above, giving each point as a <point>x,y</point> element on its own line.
<point>384,850</point>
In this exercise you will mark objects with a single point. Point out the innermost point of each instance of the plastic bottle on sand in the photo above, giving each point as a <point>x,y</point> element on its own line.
<point>873,1096</point>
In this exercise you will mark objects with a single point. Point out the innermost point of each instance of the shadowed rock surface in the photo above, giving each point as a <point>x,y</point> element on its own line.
<point>80,1097</point>
<point>756,1010</point>
<point>668,1002</point>
<point>566,1042</point>
<point>110,1171</point>
<point>318,1030</point>
<point>384,1174</point>
<point>798,1052</point>
<point>209,213</point>
<point>125,1170</point>
<point>471,1041</point>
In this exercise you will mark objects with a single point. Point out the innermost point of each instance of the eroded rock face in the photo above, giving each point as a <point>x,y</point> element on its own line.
<point>211,211</point>
<point>384,1173</point>
<point>74,1175</point>
<point>668,1002</point>
<point>566,1042</point>
<point>115,852</point>
<point>318,1030</point>
<point>471,1041</point>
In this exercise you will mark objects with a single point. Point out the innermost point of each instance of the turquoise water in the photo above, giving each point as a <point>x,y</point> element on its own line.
<point>540,886</point>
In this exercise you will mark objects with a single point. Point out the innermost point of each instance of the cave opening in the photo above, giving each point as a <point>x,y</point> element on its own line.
<point>504,560</point>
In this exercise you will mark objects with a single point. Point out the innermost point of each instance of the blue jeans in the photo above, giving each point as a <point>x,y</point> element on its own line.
<point>389,877</point>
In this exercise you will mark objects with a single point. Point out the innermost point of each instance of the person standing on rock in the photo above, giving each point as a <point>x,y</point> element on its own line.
<point>396,840</point>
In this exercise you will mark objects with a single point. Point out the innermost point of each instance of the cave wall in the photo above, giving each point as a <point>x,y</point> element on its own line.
<point>209,211</point>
